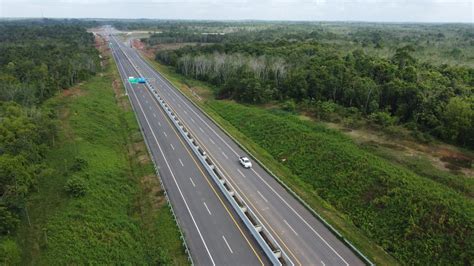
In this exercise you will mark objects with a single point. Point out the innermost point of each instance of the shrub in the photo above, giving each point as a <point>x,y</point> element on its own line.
<point>76,186</point>
<point>78,164</point>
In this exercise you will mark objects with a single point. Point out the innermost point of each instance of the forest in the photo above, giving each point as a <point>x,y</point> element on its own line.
<point>434,100</point>
<point>35,63</point>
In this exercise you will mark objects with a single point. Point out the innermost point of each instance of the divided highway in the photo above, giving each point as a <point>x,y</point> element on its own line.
<point>213,232</point>
<point>303,237</point>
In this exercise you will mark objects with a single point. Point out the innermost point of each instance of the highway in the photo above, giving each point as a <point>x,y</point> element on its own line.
<point>213,232</point>
<point>303,237</point>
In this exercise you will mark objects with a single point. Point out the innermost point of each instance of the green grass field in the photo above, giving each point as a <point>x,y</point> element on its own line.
<point>372,202</point>
<point>123,217</point>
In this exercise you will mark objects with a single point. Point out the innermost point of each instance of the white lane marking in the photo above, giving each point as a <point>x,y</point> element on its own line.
<point>146,101</point>
<point>181,162</point>
<point>212,141</point>
<point>207,208</point>
<point>262,196</point>
<point>225,240</point>
<point>192,182</point>
<point>200,128</point>
<point>322,262</point>
<point>149,107</point>
<point>154,115</point>
<point>242,174</point>
<point>179,105</point>
<point>164,133</point>
<point>290,227</point>
<point>159,124</point>
<point>273,190</point>
<point>225,155</point>
<point>174,178</point>
<point>172,147</point>
<point>299,216</point>
<point>185,112</point>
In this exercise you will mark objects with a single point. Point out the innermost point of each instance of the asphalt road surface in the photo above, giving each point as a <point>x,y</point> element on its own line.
<point>303,237</point>
<point>213,232</point>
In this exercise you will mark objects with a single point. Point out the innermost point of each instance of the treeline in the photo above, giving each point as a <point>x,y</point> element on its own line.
<point>436,100</point>
<point>35,63</point>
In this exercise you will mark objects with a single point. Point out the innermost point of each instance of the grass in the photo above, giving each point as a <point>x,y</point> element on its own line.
<point>123,218</point>
<point>372,202</point>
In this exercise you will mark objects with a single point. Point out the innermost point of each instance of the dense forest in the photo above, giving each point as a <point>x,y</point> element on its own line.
<point>35,63</point>
<point>435,100</point>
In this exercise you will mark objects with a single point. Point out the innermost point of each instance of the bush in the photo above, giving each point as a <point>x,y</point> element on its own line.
<point>76,186</point>
<point>78,164</point>
<point>8,221</point>
<point>289,106</point>
<point>383,119</point>
<point>9,252</point>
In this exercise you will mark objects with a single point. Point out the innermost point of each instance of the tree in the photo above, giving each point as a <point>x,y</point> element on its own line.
<point>459,120</point>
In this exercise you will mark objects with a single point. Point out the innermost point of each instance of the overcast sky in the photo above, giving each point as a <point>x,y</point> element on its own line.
<point>340,10</point>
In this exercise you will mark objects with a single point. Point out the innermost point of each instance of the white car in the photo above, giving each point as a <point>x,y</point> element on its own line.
<point>245,162</point>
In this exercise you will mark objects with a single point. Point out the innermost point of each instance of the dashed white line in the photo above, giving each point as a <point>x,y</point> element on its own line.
<point>212,141</point>
<point>149,107</point>
<point>154,115</point>
<point>225,155</point>
<point>164,133</point>
<point>200,128</point>
<point>262,196</point>
<point>181,162</point>
<point>207,208</point>
<point>322,262</point>
<point>185,112</point>
<point>242,174</point>
<point>225,240</point>
<point>192,182</point>
<point>159,124</point>
<point>193,120</point>
<point>292,229</point>
<point>172,147</point>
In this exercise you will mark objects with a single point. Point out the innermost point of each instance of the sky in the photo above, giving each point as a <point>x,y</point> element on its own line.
<point>312,10</point>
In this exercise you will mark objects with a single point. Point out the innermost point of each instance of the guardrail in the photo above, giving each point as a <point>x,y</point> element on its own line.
<point>287,188</point>
<point>157,171</point>
<point>266,241</point>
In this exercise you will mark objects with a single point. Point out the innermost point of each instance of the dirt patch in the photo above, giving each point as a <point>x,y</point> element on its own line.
<point>152,188</point>
<point>75,91</point>
<point>442,156</point>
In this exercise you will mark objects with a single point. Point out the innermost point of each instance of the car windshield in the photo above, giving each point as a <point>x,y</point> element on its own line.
<point>245,160</point>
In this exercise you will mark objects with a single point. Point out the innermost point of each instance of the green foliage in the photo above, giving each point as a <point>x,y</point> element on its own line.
<point>8,221</point>
<point>37,61</point>
<point>399,88</point>
<point>9,252</point>
<point>416,220</point>
<point>111,223</point>
<point>78,164</point>
<point>76,186</point>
